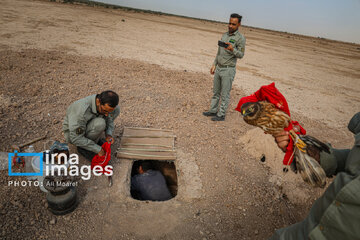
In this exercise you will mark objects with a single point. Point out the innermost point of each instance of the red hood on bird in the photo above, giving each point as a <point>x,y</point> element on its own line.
<point>271,94</point>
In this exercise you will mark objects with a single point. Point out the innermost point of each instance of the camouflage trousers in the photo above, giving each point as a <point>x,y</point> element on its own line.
<point>223,79</point>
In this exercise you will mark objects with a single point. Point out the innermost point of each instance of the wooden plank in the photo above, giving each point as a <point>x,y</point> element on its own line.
<point>143,132</point>
<point>148,129</point>
<point>147,136</point>
<point>168,142</point>
<point>138,156</point>
<point>148,152</point>
<point>145,149</point>
<point>147,144</point>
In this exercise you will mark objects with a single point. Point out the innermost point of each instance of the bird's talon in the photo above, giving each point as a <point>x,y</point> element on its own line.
<point>301,145</point>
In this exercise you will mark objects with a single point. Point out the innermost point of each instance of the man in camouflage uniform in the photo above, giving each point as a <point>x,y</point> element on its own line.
<point>224,68</point>
<point>87,119</point>
<point>336,214</point>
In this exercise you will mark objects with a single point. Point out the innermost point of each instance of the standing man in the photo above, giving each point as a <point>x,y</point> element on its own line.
<point>224,68</point>
<point>87,119</point>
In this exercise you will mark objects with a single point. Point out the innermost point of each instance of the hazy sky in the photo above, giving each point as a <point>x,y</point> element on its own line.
<point>334,19</point>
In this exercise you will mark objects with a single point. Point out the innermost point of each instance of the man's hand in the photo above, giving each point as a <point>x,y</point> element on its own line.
<point>212,69</point>
<point>101,153</point>
<point>230,47</point>
<point>109,139</point>
<point>282,140</point>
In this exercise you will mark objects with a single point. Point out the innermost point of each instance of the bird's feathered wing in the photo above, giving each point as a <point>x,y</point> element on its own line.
<point>308,163</point>
<point>307,157</point>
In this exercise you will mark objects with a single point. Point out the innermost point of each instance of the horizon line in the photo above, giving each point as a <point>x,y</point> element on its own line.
<point>114,6</point>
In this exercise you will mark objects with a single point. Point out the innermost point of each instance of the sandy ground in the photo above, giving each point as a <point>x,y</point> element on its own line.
<point>324,74</point>
<point>53,54</point>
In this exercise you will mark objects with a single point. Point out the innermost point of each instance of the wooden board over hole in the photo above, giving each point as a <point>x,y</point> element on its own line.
<point>147,144</point>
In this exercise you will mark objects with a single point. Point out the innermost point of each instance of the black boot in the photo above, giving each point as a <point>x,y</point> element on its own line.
<point>209,114</point>
<point>87,154</point>
<point>216,118</point>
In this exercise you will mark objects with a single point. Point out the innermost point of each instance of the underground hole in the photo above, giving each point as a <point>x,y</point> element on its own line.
<point>153,180</point>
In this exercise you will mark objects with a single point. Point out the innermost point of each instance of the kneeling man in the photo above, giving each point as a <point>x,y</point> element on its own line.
<point>87,119</point>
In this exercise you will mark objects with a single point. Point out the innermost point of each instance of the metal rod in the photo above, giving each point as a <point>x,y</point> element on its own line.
<point>32,141</point>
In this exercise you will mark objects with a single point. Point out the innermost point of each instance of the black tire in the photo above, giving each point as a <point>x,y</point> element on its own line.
<point>60,207</point>
<point>60,192</point>
<point>62,202</point>
<point>66,211</point>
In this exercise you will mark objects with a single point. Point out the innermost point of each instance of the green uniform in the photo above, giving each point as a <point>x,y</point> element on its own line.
<point>225,62</point>
<point>83,125</point>
<point>336,214</point>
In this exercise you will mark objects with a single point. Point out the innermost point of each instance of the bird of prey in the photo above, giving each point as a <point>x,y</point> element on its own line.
<point>306,150</point>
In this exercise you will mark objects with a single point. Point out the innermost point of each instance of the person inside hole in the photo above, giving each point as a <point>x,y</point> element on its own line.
<point>149,184</point>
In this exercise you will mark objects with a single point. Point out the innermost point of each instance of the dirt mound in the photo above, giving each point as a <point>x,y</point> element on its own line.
<point>259,144</point>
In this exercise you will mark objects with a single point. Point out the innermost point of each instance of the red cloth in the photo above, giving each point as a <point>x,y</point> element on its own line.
<point>271,94</point>
<point>102,160</point>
